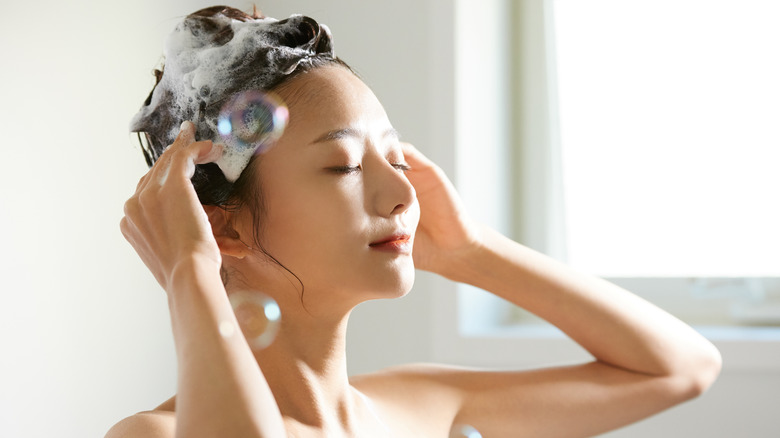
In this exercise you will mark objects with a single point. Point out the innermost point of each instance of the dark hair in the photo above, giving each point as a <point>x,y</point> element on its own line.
<point>291,47</point>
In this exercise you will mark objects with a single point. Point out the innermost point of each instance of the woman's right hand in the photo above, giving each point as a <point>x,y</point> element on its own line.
<point>164,220</point>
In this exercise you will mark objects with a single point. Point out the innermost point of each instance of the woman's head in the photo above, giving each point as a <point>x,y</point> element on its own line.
<point>332,186</point>
<point>211,55</point>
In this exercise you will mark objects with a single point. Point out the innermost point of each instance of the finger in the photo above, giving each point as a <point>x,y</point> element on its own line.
<point>426,175</point>
<point>183,162</point>
<point>184,138</point>
<point>162,167</point>
<point>186,135</point>
<point>204,151</point>
<point>211,154</point>
<point>414,156</point>
<point>142,182</point>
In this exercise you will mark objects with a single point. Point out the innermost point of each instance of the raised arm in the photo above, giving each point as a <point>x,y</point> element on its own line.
<point>221,389</point>
<point>646,360</point>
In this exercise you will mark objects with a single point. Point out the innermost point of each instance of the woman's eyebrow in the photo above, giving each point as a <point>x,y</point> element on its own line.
<point>338,134</point>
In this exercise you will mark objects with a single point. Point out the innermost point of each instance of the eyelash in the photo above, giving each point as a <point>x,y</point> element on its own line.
<point>351,169</point>
<point>402,167</point>
<point>344,169</point>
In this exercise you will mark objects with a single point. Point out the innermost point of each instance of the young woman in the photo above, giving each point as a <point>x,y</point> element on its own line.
<point>337,212</point>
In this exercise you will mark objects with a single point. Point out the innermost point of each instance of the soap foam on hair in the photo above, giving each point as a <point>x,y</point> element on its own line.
<point>195,71</point>
<point>207,62</point>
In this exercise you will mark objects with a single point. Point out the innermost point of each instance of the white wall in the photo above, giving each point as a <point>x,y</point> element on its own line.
<point>84,331</point>
<point>83,327</point>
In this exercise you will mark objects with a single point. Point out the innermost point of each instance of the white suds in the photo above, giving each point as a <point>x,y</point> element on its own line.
<point>203,69</point>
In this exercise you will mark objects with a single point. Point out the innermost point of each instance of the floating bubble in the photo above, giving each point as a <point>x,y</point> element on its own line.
<point>252,120</point>
<point>464,431</point>
<point>258,316</point>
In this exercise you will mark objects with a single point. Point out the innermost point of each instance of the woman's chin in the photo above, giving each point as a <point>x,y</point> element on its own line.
<point>406,283</point>
<point>394,285</point>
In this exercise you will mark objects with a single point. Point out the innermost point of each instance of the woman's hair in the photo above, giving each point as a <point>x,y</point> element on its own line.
<point>213,54</point>
<point>204,69</point>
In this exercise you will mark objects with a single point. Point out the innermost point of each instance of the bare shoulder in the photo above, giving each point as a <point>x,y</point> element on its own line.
<point>425,395</point>
<point>447,386</point>
<point>157,423</point>
<point>420,379</point>
<point>430,376</point>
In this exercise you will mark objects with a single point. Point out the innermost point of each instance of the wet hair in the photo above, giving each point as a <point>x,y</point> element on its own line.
<point>270,54</point>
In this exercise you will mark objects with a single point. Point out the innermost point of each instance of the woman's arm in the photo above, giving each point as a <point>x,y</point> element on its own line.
<point>618,328</point>
<point>221,389</point>
<point>646,360</point>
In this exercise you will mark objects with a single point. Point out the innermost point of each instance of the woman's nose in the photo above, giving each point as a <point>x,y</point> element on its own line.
<point>393,193</point>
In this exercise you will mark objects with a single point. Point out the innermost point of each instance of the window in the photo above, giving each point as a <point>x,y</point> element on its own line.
<point>668,122</point>
<point>658,148</point>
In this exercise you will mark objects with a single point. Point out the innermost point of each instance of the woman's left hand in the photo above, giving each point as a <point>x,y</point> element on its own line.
<point>445,232</point>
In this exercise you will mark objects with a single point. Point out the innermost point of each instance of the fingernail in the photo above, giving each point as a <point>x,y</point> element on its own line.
<point>184,125</point>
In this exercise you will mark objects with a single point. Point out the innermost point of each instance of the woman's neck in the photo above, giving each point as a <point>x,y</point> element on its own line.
<point>306,369</point>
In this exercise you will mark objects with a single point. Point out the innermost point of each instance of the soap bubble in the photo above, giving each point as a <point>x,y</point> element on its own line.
<point>464,431</point>
<point>252,119</point>
<point>258,316</point>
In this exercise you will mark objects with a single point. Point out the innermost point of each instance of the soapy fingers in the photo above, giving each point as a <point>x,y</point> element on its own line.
<point>184,153</point>
<point>164,220</point>
<point>193,152</point>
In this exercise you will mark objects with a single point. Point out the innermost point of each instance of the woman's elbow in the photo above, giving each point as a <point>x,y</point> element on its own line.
<point>701,373</point>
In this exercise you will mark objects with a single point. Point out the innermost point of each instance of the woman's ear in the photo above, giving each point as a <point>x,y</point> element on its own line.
<point>228,239</point>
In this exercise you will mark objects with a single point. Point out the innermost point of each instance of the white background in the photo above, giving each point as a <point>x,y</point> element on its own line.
<point>669,112</point>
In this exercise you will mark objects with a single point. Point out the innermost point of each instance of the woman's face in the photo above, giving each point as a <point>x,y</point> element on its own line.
<point>339,211</point>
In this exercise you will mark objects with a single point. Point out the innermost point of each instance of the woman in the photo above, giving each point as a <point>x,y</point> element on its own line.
<point>338,212</point>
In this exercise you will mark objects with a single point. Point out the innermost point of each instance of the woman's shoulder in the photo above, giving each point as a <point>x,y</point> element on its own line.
<point>427,376</point>
<point>421,397</point>
<point>157,423</point>
<point>415,387</point>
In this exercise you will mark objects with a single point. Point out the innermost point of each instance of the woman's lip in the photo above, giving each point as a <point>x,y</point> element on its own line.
<point>391,239</point>
<point>398,243</point>
<point>403,246</point>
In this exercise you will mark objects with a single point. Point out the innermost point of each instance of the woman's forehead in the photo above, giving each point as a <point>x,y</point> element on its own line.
<point>331,98</point>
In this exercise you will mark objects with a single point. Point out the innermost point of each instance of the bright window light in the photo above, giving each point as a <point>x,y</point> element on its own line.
<point>670,136</point>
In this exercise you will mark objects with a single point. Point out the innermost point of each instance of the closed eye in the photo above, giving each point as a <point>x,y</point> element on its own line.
<point>403,167</point>
<point>344,169</point>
